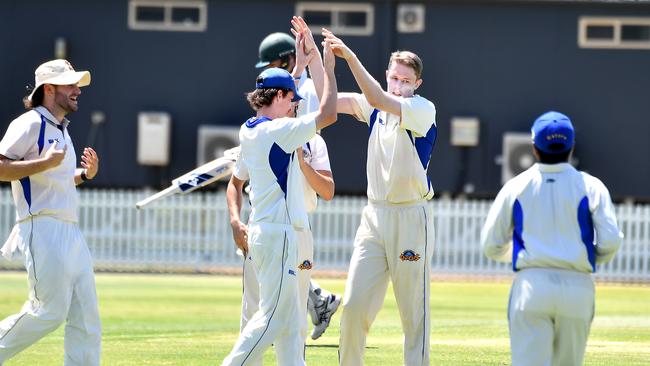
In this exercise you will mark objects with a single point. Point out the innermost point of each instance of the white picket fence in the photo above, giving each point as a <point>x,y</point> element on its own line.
<point>192,233</point>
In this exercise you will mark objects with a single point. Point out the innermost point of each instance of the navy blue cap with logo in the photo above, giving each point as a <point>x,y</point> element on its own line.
<point>553,133</point>
<point>277,78</point>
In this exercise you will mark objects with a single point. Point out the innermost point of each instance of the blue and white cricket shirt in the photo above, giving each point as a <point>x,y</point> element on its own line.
<point>552,216</point>
<point>267,151</point>
<point>399,149</point>
<point>51,192</point>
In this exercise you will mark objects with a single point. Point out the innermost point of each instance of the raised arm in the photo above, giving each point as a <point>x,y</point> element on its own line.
<point>370,88</point>
<point>327,112</point>
<point>315,63</point>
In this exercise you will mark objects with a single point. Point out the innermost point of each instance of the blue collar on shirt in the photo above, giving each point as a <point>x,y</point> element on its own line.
<point>254,121</point>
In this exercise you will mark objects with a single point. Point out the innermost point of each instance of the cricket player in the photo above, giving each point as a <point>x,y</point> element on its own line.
<point>279,50</point>
<point>38,158</point>
<point>268,160</point>
<point>554,223</point>
<point>394,240</point>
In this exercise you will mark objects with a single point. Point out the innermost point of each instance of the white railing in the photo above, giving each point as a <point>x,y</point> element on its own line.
<point>192,233</point>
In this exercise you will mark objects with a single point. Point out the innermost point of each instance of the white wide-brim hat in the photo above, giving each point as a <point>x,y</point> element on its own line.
<point>59,72</point>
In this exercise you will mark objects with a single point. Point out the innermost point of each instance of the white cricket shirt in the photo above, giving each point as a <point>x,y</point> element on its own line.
<point>309,102</point>
<point>315,150</point>
<point>267,151</point>
<point>51,192</point>
<point>552,216</point>
<point>315,155</point>
<point>399,149</point>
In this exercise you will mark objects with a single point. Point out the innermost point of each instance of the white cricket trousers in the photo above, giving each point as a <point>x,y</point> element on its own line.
<point>393,242</point>
<point>61,288</point>
<point>273,252</point>
<point>251,293</point>
<point>550,314</point>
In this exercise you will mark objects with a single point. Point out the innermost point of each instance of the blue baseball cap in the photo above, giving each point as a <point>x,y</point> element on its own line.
<point>276,77</point>
<point>553,133</point>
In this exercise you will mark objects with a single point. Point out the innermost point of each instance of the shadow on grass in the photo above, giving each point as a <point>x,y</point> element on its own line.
<point>330,346</point>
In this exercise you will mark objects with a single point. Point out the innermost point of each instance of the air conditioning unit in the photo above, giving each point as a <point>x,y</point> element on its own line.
<point>410,18</point>
<point>214,140</point>
<point>154,133</point>
<point>517,154</point>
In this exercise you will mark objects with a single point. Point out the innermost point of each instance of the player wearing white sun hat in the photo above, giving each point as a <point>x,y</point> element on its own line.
<point>38,158</point>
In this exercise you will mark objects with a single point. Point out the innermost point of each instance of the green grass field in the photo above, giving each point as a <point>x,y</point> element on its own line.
<point>194,320</point>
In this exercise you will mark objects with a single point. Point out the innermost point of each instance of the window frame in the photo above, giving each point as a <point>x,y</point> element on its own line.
<point>335,9</point>
<point>167,24</point>
<point>617,24</point>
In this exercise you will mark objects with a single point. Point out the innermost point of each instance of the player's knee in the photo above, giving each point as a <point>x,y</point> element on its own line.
<point>353,309</point>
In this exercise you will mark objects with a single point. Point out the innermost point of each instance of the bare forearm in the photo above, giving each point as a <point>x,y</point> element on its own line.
<point>234,201</point>
<point>11,170</point>
<point>368,85</point>
<point>327,113</point>
<point>317,74</point>
<point>320,180</point>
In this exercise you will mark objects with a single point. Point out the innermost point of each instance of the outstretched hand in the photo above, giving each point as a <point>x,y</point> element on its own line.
<point>329,60</point>
<point>302,58</point>
<point>90,162</point>
<point>338,47</point>
<point>300,26</point>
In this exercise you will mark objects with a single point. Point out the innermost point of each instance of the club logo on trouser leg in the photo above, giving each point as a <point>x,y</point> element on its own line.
<point>409,255</point>
<point>305,265</point>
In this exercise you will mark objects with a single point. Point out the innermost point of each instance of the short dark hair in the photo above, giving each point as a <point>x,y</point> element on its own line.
<point>556,158</point>
<point>407,58</point>
<point>37,98</point>
<point>259,98</point>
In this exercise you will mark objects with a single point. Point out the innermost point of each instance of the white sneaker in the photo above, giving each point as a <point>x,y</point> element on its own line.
<point>325,310</point>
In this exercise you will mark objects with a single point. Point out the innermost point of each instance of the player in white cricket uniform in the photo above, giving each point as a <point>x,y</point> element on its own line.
<point>278,49</point>
<point>268,160</point>
<point>555,224</point>
<point>395,238</point>
<point>37,156</point>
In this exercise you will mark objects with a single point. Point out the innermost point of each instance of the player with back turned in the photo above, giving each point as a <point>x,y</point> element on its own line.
<point>38,158</point>
<point>554,223</point>
<point>394,240</point>
<point>268,160</point>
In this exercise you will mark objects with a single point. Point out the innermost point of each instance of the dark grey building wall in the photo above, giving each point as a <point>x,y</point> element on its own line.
<point>504,62</point>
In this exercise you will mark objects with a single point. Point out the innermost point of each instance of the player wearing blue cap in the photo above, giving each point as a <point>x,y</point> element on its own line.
<point>554,223</point>
<point>281,50</point>
<point>268,160</point>
<point>395,237</point>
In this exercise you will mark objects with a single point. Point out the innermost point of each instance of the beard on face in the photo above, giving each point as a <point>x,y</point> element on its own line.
<point>65,103</point>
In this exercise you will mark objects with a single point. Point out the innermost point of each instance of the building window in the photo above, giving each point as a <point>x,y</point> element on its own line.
<point>614,32</point>
<point>188,16</point>
<point>355,19</point>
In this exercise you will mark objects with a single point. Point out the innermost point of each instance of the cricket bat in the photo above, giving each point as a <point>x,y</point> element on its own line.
<point>197,178</point>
